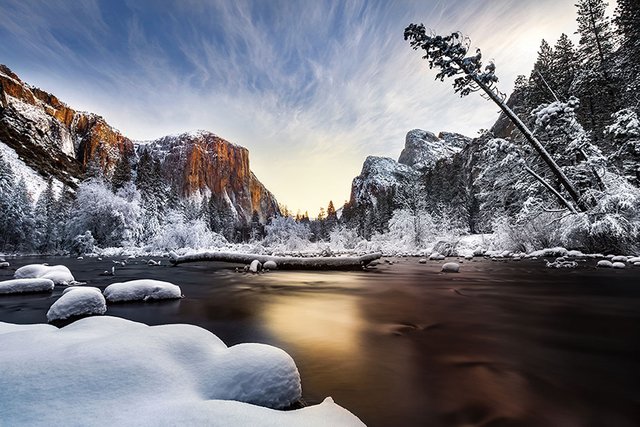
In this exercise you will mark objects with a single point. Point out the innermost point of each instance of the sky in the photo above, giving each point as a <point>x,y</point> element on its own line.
<point>310,87</point>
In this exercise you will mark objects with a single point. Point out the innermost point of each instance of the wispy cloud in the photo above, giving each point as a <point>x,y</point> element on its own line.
<point>310,88</point>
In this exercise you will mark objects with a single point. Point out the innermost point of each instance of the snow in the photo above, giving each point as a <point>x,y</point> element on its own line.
<point>43,124</point>
<point>270,265</point>
<point>255,266</point>
<point>618,265</point>
<point>77,301</point>
<point>17,286</point>
<point>102,371</point>
<point>142,290</point>
<point>58,273</point>
<point>451,267</point>
<point>34,182</point>
<point>605,264</point>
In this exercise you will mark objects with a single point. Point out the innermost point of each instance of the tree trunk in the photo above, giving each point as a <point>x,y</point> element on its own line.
<point>283,263</point>
<point>542,152</point>
<point>551,189</point>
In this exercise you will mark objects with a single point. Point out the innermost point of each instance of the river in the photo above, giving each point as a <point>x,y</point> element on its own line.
<point>498,344</point>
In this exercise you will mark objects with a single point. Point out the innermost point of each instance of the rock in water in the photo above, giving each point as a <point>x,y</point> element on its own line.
<point>618,265</point>
<point>605,264</point>
<point>451,267</point>
<point>78,301</point>
<point>255,266</point>
<point>422,261</point>
<point>270,265</point>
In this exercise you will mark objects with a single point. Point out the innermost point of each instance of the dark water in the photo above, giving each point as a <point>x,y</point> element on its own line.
<point>498,344</point>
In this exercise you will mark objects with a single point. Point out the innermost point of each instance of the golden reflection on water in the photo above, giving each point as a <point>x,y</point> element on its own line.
<point>320,323</point>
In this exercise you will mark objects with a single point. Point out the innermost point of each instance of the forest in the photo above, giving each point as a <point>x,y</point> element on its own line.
<point>580,102</point>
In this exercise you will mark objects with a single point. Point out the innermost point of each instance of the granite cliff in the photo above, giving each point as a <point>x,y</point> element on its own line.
<point>60,142</point>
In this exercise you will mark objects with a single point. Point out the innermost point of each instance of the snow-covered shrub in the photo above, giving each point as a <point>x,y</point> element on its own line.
<point>343,238</point>
<point>112,219</point>
<point>83,243</point>
<point>612,225</point>
<point>408,232</point>
<point>283,233</point>
<point>536,231</point>
<point>179,233</point>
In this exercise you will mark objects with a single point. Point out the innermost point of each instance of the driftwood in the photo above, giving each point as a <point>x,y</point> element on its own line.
<point>284,263</point>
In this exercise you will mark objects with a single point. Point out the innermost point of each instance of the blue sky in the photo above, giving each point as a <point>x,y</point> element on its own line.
<point>310,87</point>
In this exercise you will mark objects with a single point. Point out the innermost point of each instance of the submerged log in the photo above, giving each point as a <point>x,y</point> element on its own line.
<point>284,263</point>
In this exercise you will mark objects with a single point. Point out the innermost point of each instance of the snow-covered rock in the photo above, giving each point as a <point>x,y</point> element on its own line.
<point>18,286</point>
<point>142,290</point>
<point>255,266</point>
<point>270,265</point>
<point>422,149</point>
<point>604,264</point>
<point>71,288</point>
<point>619,258</point>
<point>77,301</point>
<point>451,267</point>
<point>422,261</point>
<point>58,273</point>
<point>436,256</point>
<point>4,264</point>
<point>618,265</point>
<point>103,371</point>
<point>634,259</point>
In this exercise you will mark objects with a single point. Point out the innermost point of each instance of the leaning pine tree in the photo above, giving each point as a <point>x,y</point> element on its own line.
<point>449,55</point>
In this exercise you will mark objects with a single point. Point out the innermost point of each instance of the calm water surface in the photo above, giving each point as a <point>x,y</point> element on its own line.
<point>498,344</point>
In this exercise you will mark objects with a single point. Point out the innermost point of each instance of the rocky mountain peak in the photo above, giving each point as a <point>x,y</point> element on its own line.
<point>423,149</point>
<point>57,141</point>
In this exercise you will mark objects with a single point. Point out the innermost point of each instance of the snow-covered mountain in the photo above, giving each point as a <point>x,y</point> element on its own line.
<point>202,163</point>
<point>40,133</point>
<point>379,188</point>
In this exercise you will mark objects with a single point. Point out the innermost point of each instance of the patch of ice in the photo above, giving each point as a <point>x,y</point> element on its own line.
<point>142,290</point>
<point>18,286</point>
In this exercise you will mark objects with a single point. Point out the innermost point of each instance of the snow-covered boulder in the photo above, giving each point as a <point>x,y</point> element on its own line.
<point>451,267</point>
<point>436,256</point>
<point>71,288</point>
<point>19,286</point>
<point>255,266</point>
<point>142,290</point>
<point>118,372</point>
<point>58,273</point>
<point>77,301</point>
<point>422,261</point>
<point>618,265</point>
<point>270,265</point>
<point>619,258</point>
<point>4,264</point>
<point>603,263</point>
<point>634,259</point>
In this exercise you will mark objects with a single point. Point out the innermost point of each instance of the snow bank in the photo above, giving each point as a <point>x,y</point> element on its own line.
<point>77,301</point>
<point>18,286</point>
<point>102,371</point>
<point>58,273</point>
<point>142,290</point>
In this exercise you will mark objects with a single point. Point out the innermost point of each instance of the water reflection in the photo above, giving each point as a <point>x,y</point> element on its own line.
<point>327,325</point>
